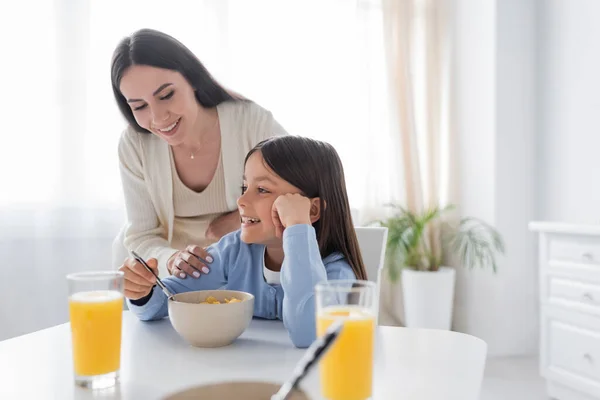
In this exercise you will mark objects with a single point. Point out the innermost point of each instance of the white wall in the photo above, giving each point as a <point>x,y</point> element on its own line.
<point>569,111</point>
<point>39,248</point>
<point>529,146</point>
<point>495,122</point>
<point>517,297</point>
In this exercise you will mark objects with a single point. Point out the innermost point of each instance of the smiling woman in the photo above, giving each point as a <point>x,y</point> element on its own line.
<point>181,158</point>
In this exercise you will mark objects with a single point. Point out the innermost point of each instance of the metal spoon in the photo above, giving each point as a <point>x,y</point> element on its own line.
<point>158,281</point>
<point>316,350</point>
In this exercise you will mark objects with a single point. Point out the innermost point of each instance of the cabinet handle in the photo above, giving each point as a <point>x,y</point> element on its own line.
<point>588,357</point>
<point>588,296</point>
<point>587,257</point>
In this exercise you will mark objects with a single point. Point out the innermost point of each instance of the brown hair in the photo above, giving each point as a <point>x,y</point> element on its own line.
<point>157,49</point>
<point>315,168</point>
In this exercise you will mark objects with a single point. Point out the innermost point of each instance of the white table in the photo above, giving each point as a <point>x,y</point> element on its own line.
<point>156,362</point>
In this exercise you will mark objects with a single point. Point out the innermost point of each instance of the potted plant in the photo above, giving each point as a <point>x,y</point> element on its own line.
<point>414,252</point>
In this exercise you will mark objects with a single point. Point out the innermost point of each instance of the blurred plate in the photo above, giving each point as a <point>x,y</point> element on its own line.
<point>235,391</point>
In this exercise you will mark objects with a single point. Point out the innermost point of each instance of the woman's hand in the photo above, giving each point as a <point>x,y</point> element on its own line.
<point>138,281</point>
<point>290,209</point>
<point>223,225</point>
<point>187,262</point>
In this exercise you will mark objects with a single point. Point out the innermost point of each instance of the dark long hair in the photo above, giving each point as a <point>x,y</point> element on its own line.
<point>157,49</point>
<point>315,168</point>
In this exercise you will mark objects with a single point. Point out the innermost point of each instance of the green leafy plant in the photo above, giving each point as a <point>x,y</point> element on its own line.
<point>474,242</point>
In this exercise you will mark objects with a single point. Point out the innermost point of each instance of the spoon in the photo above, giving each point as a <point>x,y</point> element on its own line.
<point>316,350</point>
<point>158,281</point>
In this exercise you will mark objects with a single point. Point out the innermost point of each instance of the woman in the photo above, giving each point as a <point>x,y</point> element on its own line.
<point>181,158</point>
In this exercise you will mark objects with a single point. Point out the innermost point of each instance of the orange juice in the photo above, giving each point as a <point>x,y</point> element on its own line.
<point>96,318</point>
<point>347,368</point>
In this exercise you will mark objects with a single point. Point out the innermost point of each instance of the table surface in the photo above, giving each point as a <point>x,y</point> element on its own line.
<point>156,362</point>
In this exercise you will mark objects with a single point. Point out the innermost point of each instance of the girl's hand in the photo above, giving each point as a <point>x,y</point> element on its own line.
<point>138,281</point>
<point>186,262</point>
<point>290,209</point>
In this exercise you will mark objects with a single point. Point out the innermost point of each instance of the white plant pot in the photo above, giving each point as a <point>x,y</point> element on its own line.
<point>428,298</point>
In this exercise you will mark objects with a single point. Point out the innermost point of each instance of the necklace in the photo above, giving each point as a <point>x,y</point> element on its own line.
<point>194,152</point>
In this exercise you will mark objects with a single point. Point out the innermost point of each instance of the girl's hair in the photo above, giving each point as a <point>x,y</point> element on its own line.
<point>157,49</point>
<point>315,168</point>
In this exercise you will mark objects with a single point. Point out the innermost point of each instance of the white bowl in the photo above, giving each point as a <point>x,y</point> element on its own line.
<point>211,325</point>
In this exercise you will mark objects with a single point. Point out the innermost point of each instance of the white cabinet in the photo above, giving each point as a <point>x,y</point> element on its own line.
<point>569,276</point>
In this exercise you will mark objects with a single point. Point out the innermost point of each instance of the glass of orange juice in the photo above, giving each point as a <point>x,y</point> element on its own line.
<point>346,370</point>
<point>96,314</point>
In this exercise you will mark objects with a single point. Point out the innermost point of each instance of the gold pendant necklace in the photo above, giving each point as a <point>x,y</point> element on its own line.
<point>192,152</point>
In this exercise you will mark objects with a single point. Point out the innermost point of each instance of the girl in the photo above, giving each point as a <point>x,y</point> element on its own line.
<point>296,230</point>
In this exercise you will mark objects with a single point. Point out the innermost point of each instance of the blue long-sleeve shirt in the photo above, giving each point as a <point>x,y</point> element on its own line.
<point>239,266</point>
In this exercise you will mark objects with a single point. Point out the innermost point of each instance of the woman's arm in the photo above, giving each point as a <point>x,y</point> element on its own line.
<point>144,234</point>
<point>278,130</point>
<point>155,305</point>
<point>223,225</point>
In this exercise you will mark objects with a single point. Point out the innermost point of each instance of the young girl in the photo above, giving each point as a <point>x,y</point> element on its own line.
<point>296,231</point>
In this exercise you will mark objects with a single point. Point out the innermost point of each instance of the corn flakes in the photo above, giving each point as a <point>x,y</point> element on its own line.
<point>212,300</point>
